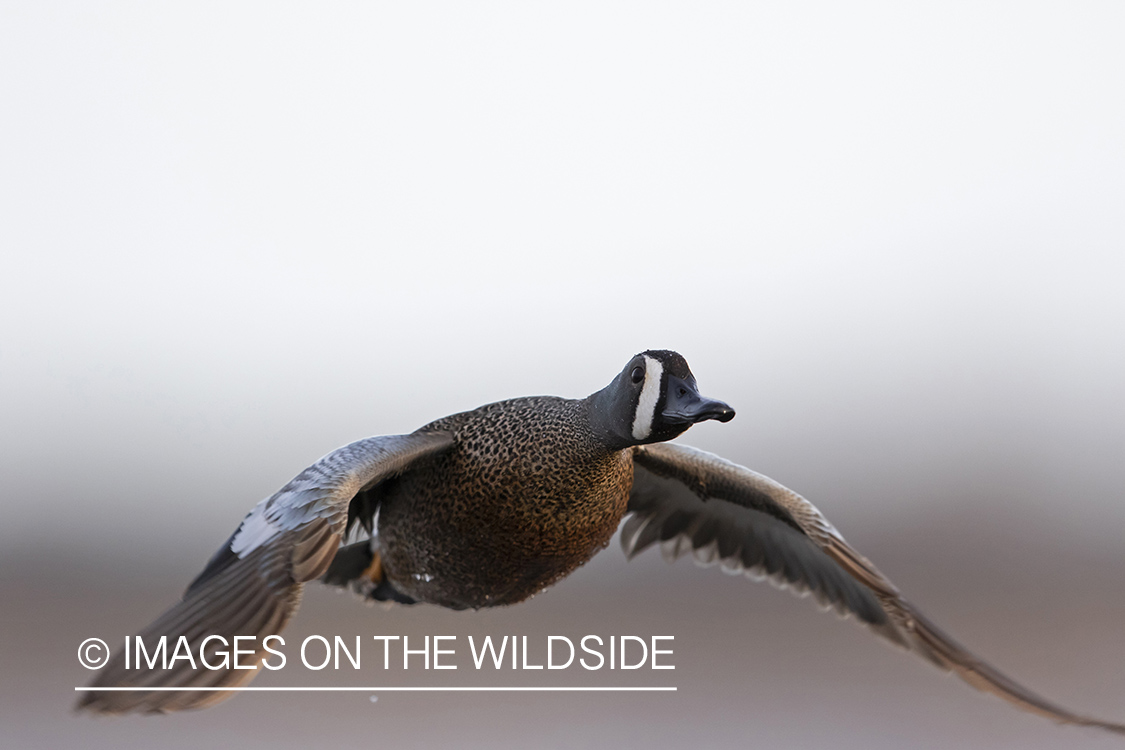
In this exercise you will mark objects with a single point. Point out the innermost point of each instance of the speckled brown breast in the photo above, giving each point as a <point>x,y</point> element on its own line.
<point>524,497</point>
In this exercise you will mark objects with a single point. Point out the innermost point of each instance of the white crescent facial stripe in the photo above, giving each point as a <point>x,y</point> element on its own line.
<point>646,404</point>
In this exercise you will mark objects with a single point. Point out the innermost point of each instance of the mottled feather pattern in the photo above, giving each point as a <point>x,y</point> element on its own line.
<point>525,496</point>
<point>490,506</point>
<point>325,489</point>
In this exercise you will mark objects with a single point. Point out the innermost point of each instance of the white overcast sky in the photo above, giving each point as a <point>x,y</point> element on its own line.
<point>237,235</point>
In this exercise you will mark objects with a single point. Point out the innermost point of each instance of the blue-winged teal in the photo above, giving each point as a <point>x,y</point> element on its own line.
<point>490,506</point>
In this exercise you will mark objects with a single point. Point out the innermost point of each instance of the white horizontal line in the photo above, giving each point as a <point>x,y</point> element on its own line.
<point>398,689</point>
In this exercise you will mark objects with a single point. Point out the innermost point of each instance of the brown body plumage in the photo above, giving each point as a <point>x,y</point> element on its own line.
<point>524,497</point>
<point>490,506</point>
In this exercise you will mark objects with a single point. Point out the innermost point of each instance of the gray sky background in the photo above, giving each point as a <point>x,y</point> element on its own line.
<point>891,237</point>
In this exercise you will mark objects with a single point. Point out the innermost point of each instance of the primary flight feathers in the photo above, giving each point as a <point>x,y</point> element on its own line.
<point>490,506</point>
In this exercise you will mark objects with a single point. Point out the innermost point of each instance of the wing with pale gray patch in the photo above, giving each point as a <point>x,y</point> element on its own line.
<point>742,540</point>
<point>253,584</point>
<point>688,500</point>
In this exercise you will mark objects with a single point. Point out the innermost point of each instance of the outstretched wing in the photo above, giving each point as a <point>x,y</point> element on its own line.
<point>689,500</point>
<point>252,586</point>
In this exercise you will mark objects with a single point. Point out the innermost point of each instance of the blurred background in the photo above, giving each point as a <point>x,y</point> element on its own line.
<point>236,237</point>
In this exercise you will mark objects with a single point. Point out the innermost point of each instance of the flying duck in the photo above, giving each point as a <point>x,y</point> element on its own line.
<point>490,506</point>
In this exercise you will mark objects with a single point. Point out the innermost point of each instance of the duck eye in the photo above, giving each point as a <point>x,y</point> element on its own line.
<point>638,374</point>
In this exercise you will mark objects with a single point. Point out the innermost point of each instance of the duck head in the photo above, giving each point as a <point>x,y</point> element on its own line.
<point>653,399</point>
